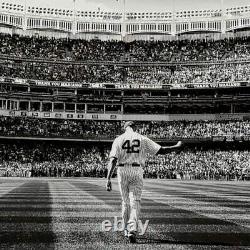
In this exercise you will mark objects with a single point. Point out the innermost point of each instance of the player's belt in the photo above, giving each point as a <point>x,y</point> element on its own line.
<point>133,164</point>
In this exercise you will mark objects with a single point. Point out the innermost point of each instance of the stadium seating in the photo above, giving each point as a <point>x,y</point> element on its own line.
<point>116,51</point>
<point>98,61</point>
<point>27,127</point>
<point>70,160</point>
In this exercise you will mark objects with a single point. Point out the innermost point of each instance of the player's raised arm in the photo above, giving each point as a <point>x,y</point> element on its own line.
<point>153,148</point>
<point>168,149</point>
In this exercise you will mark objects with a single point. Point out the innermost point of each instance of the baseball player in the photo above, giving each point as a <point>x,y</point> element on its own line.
<point>128,153</point>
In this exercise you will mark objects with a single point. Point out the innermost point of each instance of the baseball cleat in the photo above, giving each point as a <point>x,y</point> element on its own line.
<point>132,237</point>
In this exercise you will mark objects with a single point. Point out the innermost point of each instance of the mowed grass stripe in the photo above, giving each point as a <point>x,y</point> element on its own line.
<point>153,220</point>
<point>226,191</point>
<point>203,212</point>
<point>195,193</point>
<point>94,213</point>
<point>218,184</point>
<point>192,198</point>
<point>64,226</point>
<point>235,186</point>
<point>24,196</point>
<point>60,227</point>
<point>9,237</point>
<point>102,207</point>
<point>198,199</point>
<point>81,235</point>
<point>188,203</point>
<point>186,187</point>
<point>97,209</point>
<point>100,188</point>
<point>203,220</point>
<point>112,214</point>
<point>6,189</point>
<point>77,195</point>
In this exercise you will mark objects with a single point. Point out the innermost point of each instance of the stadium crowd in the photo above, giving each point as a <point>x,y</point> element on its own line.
<point>199,164</point>
<point>97,61</point>
<point>51,160</point>
<point>54,160</point>
<point>126,75</point>
<point>115,51</point>
<point>62,72</point>
<point>15,126</point>
<point>25,126</point>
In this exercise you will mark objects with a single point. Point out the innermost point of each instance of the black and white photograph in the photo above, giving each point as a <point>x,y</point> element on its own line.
<point>125,124</point>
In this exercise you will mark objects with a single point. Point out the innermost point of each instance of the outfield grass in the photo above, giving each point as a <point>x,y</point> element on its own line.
<point>44,213</point>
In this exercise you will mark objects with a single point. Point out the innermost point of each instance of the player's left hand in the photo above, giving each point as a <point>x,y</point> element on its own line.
<point>109,185</point>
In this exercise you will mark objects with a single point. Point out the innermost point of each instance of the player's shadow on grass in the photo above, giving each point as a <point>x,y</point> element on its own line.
<point>22,224</point>
<point>210,233</point>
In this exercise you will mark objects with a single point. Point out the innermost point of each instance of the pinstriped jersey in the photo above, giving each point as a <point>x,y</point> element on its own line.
<point>131,147</point>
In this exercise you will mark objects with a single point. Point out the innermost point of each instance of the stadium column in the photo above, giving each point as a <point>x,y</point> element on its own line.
<point>173,23</point>
<point>232,108</point>
<point>17,105</point>
<point>223,20</point>
<point>74,25</point>
<point>25,16</point>
<point>123,33</point>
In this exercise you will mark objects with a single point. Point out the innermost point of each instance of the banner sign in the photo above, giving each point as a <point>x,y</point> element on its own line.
<point>113,117</point>
<point>228,116</point>
<point>107,85</point>
<point>59,84</point>
<point>219,138</point>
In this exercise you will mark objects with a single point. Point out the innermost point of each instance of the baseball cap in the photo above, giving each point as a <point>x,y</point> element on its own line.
<point>128,124</point>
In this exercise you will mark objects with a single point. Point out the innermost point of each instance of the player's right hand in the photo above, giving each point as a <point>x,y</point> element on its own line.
<point>109,186</point>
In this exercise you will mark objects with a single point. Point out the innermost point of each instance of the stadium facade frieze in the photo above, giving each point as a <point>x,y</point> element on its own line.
<point>121,25</point>
<point>119,117</point>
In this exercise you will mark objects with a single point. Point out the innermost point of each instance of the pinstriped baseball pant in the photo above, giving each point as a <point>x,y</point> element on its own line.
<point>130,180</point>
